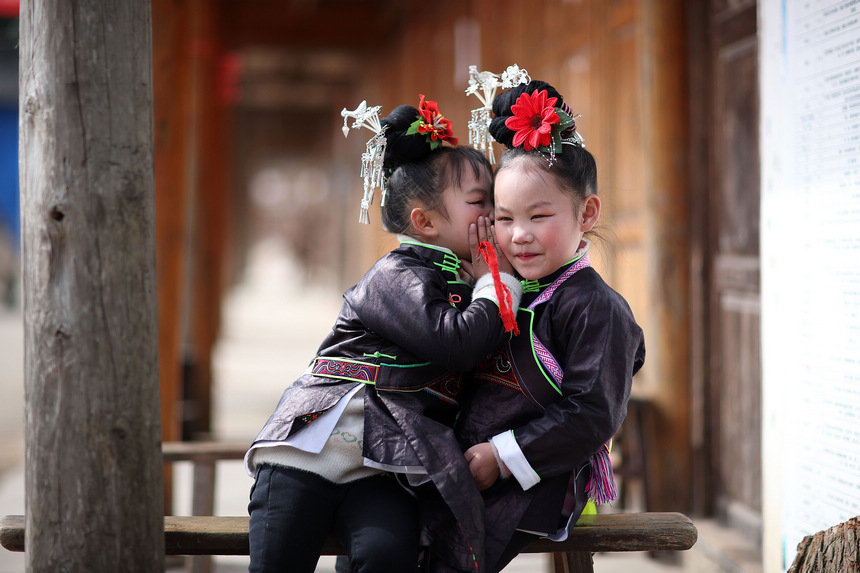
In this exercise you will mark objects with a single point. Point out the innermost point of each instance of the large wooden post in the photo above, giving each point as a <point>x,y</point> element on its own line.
<point>93,469</point>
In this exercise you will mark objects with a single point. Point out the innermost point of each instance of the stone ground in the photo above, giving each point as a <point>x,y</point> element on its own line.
<point>272,325</point>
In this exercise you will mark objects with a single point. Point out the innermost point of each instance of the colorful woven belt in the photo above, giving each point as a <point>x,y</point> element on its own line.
<point>447,388</point>
<point>343,369</point>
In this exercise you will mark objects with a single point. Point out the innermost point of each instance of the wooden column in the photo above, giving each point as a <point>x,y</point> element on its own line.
<point>668,342</point>
<point>210,230</point>
<point>171,94</point>
<point>93,461</point>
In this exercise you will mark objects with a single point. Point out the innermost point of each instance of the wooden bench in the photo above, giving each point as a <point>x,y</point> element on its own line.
<point>611,532</point>
<point>621,532</point>
<point>202,535</point>
<point>203,456</point>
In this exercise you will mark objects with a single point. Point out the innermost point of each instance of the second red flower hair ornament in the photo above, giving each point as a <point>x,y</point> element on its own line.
<point>537,123</point>
<point>433,124</point>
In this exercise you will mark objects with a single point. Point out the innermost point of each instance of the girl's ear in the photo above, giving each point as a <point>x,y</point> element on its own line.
<point>422,222</point>
<point>590,212</point>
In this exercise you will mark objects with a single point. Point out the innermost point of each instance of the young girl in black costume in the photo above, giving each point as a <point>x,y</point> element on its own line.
<point>546,403</point>
<point>382,392</point>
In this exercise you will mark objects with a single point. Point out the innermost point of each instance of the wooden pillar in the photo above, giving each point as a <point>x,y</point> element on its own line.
<point>93,460</point>
<point>171,93</point>
<point>668,342</point>
<point>209,222</point>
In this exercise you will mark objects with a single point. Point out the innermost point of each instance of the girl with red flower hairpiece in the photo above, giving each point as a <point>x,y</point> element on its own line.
<point>374,408</point>
<point>544,406</point>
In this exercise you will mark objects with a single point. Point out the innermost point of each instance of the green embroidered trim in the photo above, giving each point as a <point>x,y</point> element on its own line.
<point>346,360</point>
<point>574,259</point>
<point>450,263</point>
<point>378,354</point>
<point>535,357</point>
<point>535,286</point>
<point>428,246</point>
<point>405,365</point>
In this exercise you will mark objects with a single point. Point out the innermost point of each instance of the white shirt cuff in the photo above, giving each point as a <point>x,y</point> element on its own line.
<point>485,288</point>
<point>511,454</point>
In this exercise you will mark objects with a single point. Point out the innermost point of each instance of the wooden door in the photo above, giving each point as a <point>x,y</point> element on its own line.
<point>725,199</point>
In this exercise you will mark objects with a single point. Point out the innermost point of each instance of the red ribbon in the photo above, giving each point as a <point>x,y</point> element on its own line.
<point>505,301</point>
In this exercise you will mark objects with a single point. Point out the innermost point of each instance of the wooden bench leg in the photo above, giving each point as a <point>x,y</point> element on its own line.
<point>573,562</point>
<point>202,503</point>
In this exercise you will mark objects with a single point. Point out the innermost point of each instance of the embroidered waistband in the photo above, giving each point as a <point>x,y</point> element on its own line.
<point>447,388</point>
<point>345,370</point>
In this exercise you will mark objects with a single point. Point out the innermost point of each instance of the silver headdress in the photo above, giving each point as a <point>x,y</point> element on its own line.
<point>484,85</point>
<point>372,158</point>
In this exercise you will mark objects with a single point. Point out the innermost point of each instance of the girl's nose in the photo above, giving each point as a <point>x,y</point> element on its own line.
<point>520,235</point>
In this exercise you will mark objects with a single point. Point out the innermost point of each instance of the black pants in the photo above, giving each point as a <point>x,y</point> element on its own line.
<point>292,513</point>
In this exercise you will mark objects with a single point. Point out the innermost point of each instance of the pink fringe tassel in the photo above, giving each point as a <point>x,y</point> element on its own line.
<point>601,485</point>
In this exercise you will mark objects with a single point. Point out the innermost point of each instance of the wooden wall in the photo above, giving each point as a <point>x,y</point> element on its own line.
<point>727,339</point>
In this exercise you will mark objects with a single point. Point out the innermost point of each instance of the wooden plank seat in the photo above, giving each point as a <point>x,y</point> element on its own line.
<point>203,535</point>
<point>611,532</point>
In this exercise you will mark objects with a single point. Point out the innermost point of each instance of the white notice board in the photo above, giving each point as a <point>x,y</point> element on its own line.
<point>810,240</point>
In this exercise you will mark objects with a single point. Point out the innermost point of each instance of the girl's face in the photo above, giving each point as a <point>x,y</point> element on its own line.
<point>463,204</point>
<point>538,225</point>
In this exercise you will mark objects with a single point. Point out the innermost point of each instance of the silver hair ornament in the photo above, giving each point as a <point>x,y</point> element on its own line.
<point>372,158</point>
<point>483,85</point>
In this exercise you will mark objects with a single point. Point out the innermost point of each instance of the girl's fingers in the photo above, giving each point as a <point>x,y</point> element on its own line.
<point>482,230</point>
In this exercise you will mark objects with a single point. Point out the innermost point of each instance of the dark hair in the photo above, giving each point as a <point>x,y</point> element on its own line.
<point>419,174</point>
<point>399,147</point>
<point>574,167</point>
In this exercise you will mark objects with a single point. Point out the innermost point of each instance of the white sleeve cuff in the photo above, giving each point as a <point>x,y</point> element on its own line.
<point>485,288</point>
<point>512,456</point>
<point>504,472</point>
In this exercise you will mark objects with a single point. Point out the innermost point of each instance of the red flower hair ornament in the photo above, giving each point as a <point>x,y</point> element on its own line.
<point>537,123</point>
<point>432,124</point>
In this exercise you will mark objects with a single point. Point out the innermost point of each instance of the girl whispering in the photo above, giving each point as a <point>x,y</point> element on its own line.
<point>381,394</point>
<point>546,403</point>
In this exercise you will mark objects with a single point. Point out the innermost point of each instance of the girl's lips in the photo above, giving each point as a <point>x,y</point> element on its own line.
<point>526,256</point>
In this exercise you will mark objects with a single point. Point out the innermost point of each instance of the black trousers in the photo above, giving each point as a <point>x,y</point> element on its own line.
<point>292,512</point>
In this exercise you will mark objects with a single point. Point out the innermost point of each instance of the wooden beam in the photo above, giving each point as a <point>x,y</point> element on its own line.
<point>194,451</point>
<point>353,24</point>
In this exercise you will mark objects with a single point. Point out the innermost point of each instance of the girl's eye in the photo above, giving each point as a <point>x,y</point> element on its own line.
<point>502,219</point>
<point>481,203</point>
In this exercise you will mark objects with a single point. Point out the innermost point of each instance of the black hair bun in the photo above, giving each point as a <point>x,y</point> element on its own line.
<point>502,108</point>
<point>401,148</point>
